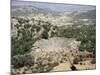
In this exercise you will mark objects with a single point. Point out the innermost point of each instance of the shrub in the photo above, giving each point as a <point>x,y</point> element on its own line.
<point>93,61</point>
<point>81,63</point>
<point>76,60</point>
<point>45,35</point>
<point>22,60</point>
<point>73,68</point>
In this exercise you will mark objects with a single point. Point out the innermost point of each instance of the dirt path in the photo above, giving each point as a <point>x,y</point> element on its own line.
<point>66,66</point>
<point>62,67</point>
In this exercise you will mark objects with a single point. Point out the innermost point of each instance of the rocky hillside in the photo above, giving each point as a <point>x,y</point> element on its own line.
<point>42,39</point>
<point>57,44</point>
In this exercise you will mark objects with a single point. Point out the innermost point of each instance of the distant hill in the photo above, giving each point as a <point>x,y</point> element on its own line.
<point>58,7</point>
<point>27,11</point>
<point>27,8</point>
<point>87,15</point>
<point>23,10</point>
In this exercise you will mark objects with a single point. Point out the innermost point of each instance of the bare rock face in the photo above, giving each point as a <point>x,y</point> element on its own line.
<point>57,44</point>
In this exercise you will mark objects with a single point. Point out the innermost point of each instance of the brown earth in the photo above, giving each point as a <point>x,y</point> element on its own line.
<point>66,66</point>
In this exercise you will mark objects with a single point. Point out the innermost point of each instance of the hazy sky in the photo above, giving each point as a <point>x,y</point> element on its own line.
<point>54,6</point>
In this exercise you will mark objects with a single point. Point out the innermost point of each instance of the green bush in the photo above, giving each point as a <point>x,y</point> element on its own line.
<point>21,46</point>
<point>22,60</point>
<point>45,35</point>
<point>85,34</point>
<point>93,61</point>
